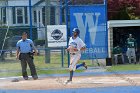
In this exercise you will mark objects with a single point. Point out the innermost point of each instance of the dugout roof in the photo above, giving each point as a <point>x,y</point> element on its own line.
<point>123,23</point>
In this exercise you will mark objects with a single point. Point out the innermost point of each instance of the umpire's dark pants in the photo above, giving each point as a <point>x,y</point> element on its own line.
<point>27,59</point>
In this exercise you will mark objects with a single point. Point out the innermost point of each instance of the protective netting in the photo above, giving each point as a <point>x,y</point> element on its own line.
<point>33,17</point>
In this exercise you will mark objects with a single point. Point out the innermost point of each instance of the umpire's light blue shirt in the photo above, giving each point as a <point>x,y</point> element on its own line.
<point>25,46</point>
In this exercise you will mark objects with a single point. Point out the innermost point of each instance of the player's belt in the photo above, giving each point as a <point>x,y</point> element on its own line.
<point>25,53</point>
<point>72,53</point>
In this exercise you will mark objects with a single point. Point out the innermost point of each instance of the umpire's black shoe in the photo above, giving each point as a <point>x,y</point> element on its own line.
<point>35,77</point>
<point>85,65</point>
<point>25,78</point>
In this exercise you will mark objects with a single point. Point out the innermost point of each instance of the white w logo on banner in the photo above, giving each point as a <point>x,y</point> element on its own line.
<point>88,22</point>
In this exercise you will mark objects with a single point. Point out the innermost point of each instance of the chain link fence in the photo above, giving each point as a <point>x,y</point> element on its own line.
<point>18,16</point>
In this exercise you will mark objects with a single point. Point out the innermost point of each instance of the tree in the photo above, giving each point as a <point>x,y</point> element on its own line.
<point>117,9</point>
<point>88,2</point>
<point>84,2</point>
<point>123,9</point>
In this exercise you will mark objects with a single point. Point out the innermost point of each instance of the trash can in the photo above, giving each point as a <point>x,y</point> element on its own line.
<point>108,61</point>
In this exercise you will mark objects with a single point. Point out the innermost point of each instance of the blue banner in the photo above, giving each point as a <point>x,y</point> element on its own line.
<point>91,21</point>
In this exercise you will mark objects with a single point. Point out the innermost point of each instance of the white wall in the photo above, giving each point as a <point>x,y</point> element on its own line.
<point>21,2</point>
<point>9,16</point>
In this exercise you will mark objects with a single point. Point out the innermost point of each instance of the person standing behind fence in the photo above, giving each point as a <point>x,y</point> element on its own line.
<point>131,48</point>
<point>25,54</point>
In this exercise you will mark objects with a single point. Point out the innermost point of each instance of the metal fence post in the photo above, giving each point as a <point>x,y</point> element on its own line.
<point>66,2</point>
<point>60,22</point>
<point>47,22</point>
<point>105,3</point>
<point>62,54</point>
<point>30,13</point>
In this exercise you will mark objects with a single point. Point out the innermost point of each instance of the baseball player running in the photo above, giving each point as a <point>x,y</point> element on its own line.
<point>76,45</point>
<point>131,48</point>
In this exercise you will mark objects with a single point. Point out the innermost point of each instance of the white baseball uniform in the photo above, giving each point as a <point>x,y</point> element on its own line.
<point>75,55</point>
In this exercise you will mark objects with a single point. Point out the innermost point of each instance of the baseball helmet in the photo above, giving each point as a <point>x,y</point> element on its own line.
<point>76,30</point>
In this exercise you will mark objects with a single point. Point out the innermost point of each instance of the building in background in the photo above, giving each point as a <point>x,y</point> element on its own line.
<point>16,13</point>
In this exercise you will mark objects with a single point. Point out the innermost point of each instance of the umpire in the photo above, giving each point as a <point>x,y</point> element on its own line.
<point>25,53</point>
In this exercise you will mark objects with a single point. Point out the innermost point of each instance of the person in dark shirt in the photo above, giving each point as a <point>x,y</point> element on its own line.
<point>24,53</point>
<point>131,48</point>
<point>117,51</point>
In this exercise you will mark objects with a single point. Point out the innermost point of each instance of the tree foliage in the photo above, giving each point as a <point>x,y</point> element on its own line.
<point>123,9</point>
<point>117,9</point>
<point>84,2</point>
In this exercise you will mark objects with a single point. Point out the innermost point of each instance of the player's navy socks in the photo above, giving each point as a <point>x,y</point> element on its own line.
<point>71,75</point>
<point>79,65</point>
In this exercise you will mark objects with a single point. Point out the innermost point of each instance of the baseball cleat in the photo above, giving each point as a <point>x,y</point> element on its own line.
<point>25,78</point>
<point>85,65</point>
<point>35,77</point>
<point>68,81</point>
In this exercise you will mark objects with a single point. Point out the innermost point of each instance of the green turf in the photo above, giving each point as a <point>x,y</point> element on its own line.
<point>39,62</point>
<point>40,72</point>
<point>124,67</point>
<point>13,67</point>
<point>57,71</point>
<point>9,74</point>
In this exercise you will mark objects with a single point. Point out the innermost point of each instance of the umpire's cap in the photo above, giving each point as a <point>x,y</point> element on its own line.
<point>76,30</point>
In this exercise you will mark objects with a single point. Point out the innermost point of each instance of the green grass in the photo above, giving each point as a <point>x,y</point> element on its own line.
<point>10,66</point>
<point>39,62</point>
<point>124,67</point>
<point>9,74</point>
<point>57,71</point>
<point>39,72</point>
<point>13,67</point>
<point>55,61</point>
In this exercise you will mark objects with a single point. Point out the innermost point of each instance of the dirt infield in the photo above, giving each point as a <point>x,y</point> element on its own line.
<point>78,82</point>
